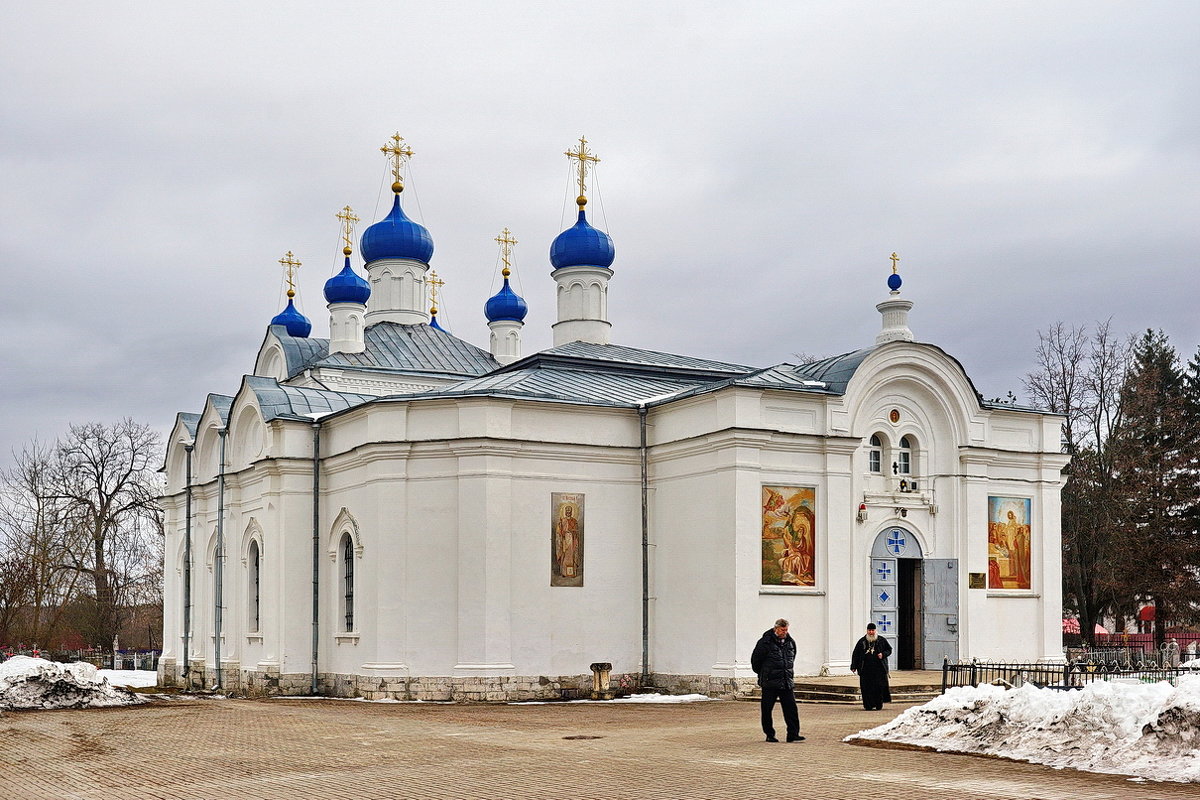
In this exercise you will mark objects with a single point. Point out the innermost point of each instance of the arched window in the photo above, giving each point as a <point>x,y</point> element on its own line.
<point>904,456</point>
<point>875,454</point>
<point>347,554</point>
<point>253,589</point>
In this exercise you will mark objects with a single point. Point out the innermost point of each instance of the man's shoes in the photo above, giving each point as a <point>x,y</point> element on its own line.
<point>795,738</point>
<point>773,739</point>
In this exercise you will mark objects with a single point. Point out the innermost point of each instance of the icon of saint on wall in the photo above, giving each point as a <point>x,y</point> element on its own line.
<point>1009,543</point>
<point>566,539</point>
<point>789,536</point>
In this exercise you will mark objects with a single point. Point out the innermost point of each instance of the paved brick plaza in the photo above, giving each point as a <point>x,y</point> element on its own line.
<point>298,749</point>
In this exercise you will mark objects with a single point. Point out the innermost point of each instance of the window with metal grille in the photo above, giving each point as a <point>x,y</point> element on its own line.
<point>348,582</point>
<point>253,590</point>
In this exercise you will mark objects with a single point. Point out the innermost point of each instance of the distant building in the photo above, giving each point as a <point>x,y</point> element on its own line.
<point>474,524</point>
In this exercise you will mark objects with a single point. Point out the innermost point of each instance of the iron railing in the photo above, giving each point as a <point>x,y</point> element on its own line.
<point>1068,675</point>
<point>122,659</point>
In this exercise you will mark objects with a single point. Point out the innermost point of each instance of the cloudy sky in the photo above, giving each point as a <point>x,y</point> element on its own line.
<point>1030,162</point>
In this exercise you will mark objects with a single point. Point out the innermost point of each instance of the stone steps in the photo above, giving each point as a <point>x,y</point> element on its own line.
<point>850,695</point>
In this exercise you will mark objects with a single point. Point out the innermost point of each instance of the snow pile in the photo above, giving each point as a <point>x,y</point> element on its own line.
<point>34,683</point>
<point>132,678</point>
<point>1148,730</point>
<point>662,698</point>
<point>649,697</point>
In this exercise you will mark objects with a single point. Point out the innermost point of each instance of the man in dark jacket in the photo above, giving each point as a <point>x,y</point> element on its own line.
<point>773,660</point>
<point>869,660</point>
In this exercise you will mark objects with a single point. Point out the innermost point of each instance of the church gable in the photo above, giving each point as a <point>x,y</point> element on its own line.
<point>214,419</point>
<point>922,382</point>
<point>281,356</point>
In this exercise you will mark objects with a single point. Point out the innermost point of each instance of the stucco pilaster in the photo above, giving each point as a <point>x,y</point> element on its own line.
<point>484,563</point>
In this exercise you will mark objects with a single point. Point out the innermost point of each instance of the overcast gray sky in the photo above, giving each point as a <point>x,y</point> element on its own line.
<point>1030,162</point>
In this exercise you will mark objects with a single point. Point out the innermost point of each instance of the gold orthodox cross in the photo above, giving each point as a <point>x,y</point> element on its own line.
<point>583,156</point>
<point>397,152</point>
<point>506,242</point>
<point>348,218</point>
<point>895,260</point>
<point>290,264</point>
<point>435,283</point>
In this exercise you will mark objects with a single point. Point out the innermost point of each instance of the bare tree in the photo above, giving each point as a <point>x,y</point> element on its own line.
<point>107,475</point>
<point>16,584</point>
<point>1081,376</point>
<point>36,537</point>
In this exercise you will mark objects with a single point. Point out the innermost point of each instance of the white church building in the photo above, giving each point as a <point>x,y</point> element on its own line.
<point>395,512</point>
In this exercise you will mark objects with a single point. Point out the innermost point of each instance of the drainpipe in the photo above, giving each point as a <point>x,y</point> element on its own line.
<point>219,559</point>
<point>187,565</point>
<point>645,680</point>
<point>316,548</point>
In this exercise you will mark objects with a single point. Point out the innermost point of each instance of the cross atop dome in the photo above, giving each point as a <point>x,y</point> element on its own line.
<point>894,280</point>
<point>296,323</point>
<point>506,243</point>
<point>348,218</point>
<point>583,157</point>
<point>290,264</point>
<point>398,153</point>
<point>435,283</point>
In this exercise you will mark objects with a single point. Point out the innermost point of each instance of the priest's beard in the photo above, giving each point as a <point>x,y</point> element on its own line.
<point>872,637</point>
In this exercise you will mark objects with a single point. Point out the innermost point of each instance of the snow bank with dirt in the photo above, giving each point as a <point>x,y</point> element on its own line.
<point>1148,730</point>
<point>35,683</point>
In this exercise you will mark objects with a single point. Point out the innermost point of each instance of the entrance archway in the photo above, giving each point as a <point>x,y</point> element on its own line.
<point>914,600</point>
<point>896,594</point>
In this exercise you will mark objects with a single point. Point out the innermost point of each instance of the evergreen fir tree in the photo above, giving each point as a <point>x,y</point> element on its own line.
<point>1157,552</point>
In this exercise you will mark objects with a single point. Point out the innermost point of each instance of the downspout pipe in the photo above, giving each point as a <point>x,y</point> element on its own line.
<point>187,565</point>
<point>645,679</point>
<point>316,549</point>
<point>219,558</point>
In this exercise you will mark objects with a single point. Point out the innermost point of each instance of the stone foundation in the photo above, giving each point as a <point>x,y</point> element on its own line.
<point>710,685</point>
<point>473,689</point>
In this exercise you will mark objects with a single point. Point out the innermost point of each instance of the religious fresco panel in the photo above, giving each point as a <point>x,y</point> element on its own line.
<point>1009,543</point>
<point>789,534</point>
<point>566,539</point>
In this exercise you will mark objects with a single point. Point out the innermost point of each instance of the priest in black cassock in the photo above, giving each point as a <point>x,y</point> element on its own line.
<point>870,662</point>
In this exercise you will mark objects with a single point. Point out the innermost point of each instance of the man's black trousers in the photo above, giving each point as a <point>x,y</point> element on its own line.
<point>787,702</point>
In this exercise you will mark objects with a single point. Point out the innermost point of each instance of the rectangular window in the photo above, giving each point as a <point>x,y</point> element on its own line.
<point>874,459</point>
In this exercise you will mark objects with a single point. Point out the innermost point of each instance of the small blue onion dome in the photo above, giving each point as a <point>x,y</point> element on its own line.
<point>433,323</point>
<point>582,245</point>
<point>296,323</point>
<point>396,236</point>
<point>347,287</point>
<point>894,282</point>
<point>505,304</point>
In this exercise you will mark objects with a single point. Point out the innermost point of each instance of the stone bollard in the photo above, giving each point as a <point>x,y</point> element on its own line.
<point>601,689</point>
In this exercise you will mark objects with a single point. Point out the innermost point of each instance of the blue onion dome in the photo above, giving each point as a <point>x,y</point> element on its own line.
<point>396,236</point>
<point>894,282</point>
<point>582,245</point>
<point>505,304</point>
<point>347,287</point>
<point>296,323</point>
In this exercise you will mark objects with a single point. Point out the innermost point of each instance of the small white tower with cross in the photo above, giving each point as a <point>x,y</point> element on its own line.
<point>506,310</point>
<point>581,256</point>
<point>347,295</point>
<point>397,251</point>
<point>894,310</point>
